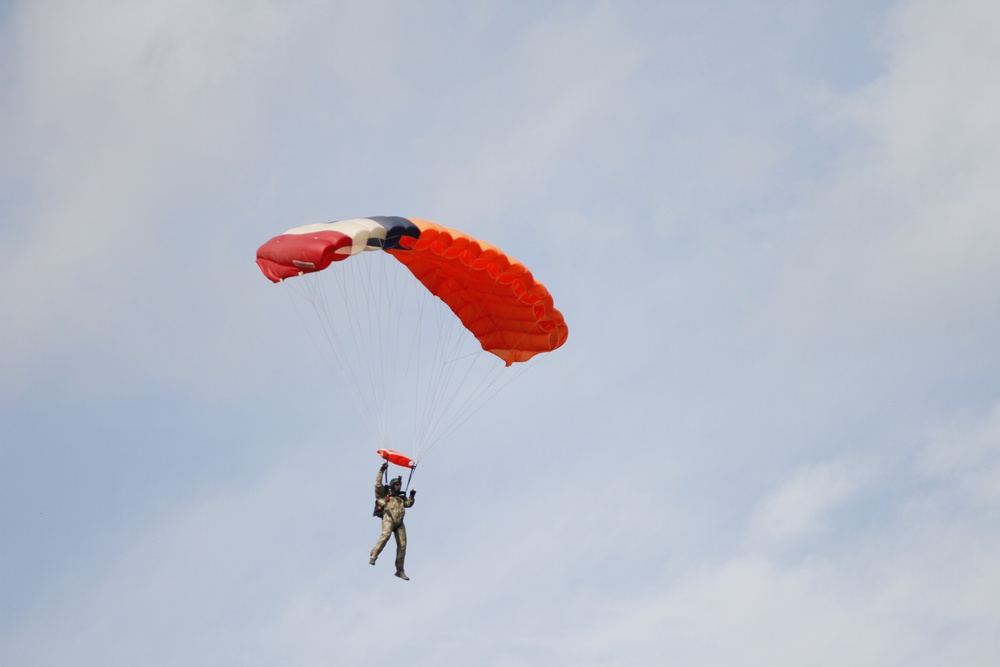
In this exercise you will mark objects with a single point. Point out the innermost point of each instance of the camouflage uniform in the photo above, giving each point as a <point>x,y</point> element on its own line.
<point>392,521</point>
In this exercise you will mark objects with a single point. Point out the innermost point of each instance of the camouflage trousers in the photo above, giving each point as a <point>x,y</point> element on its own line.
<point>389,527</point>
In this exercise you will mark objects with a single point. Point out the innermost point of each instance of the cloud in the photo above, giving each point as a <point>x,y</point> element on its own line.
<point>195,569</point>
<point>883,301</point>
<point>968,453</point>
<point>112,112</point>
<point>802,502</point>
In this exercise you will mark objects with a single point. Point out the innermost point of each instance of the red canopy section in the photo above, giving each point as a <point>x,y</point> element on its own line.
<point>495,296</point>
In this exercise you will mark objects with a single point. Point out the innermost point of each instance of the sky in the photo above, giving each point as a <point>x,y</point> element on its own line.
<point>772,437</point>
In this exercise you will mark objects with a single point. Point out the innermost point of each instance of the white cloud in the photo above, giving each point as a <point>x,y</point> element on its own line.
<point>802,503</point>
<point>112,110</point>
<point>968,453</point>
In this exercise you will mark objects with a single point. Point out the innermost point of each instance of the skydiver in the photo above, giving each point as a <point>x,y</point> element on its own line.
<point>392,502</point>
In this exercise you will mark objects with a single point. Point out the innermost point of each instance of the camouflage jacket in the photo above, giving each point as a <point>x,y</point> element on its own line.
<point>393,506</point>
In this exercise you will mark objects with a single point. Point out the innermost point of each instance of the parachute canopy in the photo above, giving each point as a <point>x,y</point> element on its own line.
<point>493,295</point>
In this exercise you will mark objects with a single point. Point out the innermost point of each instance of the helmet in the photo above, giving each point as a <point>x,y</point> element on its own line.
<point>396,481</point>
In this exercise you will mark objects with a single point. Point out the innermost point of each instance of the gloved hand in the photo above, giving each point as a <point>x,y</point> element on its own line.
<point>413,492</point>
<point>385,466</point>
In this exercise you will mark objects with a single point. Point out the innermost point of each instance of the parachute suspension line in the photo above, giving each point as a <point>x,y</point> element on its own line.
<point>417,365</point>
<point>416,359</point>
<point>424,400</point>
<point>413,351</point>
<point>347,334</point>
<point>436,377</point>
<point>463,399</point>
<point>489,385</point>
<point>350,321</point>
<point>387,336</point>
<point>436,397</point>
<point>348,325</point>
<point>401,349</point>
<point>487,388</point>
<point>440,396</point>
<point>396,343</point>
<point>383,348</point>
<point>308,288</point>
<point>372,354</point>
<point>386,321</point>
<point>450,367</point>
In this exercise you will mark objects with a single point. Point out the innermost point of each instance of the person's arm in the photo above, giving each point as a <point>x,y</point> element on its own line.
<point>379,487</point>
<point>408,502</point>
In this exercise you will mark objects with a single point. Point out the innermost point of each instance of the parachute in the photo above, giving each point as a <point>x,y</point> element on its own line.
<point>382,318</point>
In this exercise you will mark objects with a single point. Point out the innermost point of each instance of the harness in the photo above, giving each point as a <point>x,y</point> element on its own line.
<point>379,512</point>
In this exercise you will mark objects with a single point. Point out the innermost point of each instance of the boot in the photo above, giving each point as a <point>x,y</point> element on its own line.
<point>371,561</point>
<point>402,575</point>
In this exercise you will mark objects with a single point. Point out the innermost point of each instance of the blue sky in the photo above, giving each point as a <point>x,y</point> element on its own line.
<point>773,437</point>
